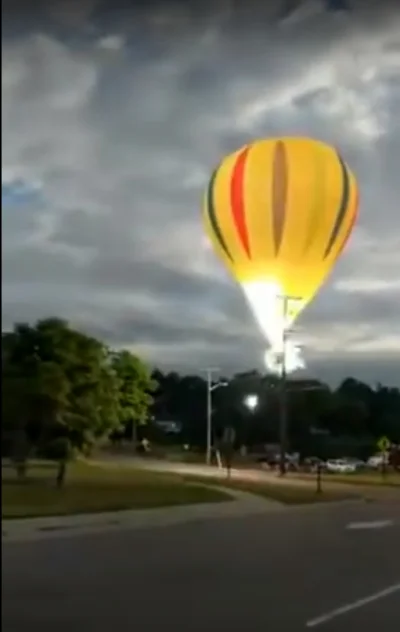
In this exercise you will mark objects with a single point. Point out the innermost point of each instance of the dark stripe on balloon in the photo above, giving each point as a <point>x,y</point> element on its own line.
<point>213,217</point>
<point>341,214</point>
<point>280,180</point>
<point>237,199</point>
<point>351,226</point>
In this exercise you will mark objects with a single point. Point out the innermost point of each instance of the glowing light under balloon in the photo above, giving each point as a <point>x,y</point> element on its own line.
<point>266,301</point>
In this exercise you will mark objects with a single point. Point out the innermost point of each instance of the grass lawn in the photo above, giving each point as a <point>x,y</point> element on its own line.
<point>392,479</point>
<point>91,489</point>
<point>286,494</point>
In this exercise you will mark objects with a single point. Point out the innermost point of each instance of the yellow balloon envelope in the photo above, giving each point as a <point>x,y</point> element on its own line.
<point>280,211</point>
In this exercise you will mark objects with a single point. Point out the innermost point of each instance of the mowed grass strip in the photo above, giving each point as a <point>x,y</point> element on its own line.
<point>391,479</point>
<point>286,493</point>
<point>91,489</point>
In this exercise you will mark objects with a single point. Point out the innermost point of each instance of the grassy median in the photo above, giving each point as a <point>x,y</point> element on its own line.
<point>91,489</point>
<point>359,479</point>
<point>284,493</point>
<point>391,479</point>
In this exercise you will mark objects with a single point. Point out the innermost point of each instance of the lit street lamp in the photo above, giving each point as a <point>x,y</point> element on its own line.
<point>251,402</point>
<point>210,388</point>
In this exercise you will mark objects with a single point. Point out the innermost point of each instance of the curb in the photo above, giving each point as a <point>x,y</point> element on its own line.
<point>330,503</point>
<point>238,503</point>
<point>50,528</point>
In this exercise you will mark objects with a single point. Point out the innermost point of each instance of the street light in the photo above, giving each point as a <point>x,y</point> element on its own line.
<point>210,388</point>
<point>251,402</point>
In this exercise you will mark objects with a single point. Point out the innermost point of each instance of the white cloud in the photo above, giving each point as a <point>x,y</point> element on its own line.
<point>365,286</point>
<point>112,42</point>
<point>347,81</point>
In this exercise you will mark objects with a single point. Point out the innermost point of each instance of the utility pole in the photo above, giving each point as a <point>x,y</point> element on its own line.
<point>209,414</point>
<point>210,388</point>
<point>283,407</point>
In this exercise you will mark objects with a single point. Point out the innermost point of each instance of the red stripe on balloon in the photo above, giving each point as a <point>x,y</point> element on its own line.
<point>237,199</point>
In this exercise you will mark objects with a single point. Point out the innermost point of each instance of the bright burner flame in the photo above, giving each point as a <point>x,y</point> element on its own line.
<point>266,302</point>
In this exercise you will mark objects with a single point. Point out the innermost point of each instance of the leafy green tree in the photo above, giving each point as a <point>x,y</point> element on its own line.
<point>135,388</point>
<point>60,384</point>
<point>35,393</point>
<point>62,451</point>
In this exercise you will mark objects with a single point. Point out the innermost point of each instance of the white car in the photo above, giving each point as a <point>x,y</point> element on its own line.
<point>378,461</point>
<point>359,465</point>
<point>340,466</point>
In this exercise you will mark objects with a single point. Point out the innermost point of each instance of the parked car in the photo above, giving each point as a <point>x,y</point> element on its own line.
<point>312,463</point>
<point>340,466</point>
<point>377,461</point>
<point>358,463</point>
<point>273,460</point>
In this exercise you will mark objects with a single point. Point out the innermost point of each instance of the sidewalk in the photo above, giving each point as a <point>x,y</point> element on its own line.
<point>252,475</point>
<point>29,529</point>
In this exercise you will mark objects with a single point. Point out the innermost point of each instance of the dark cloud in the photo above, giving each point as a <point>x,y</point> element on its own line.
<point>115,118</point>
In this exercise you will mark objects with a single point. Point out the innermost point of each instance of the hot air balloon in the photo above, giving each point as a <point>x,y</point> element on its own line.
<point>278,213</point>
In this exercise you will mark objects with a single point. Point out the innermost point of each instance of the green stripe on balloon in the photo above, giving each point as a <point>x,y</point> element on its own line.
<point>341,214</point>
<point>213,217</point>
<point>237,199</point>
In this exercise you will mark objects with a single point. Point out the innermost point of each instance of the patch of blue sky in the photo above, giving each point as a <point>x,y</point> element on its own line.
<point>22,207</point>
<point>21,195</point>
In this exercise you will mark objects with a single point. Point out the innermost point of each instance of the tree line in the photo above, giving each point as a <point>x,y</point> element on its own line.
<point>347,420</point>
<point>65,392</point>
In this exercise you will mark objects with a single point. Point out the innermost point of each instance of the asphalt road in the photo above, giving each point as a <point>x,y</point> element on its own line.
<point>275,572</point>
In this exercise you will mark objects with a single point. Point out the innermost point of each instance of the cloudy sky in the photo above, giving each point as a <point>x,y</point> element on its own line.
<point>114,115</point>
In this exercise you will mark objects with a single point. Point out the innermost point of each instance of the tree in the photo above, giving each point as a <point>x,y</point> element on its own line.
<point>135,388</point>
<point>330,422</point>
<point>61,450</point>
<point>59,384</point>
<point>35,392</point>
<point>62,383</point>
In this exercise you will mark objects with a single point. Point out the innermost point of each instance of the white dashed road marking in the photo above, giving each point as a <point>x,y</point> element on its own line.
<point>355,605</point>
<point>374,524</point>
